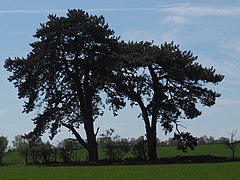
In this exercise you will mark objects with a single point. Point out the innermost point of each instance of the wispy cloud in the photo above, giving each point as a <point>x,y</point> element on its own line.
<point>183,9</point>
<point>223,66</point>
<point>183,12</point>
<point>200,10</point>
<point>41,11</point>
<point>175,20</point>
<point>36,11</point>
<point>124,9</point>
<point>231,46</point>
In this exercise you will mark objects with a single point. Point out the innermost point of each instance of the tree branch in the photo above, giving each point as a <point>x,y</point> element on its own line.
<point>76,134</point>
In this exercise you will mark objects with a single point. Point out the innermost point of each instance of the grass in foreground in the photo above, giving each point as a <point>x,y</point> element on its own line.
<point>180,171</point>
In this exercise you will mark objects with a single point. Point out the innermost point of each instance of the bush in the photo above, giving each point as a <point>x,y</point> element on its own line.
<point>139,148</point>
<point>115,148</point>
<point>3,147</point>
<point>68,148</point>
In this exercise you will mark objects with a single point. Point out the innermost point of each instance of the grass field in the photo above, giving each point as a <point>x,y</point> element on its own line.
<point>181,171</point>
<point>14,169</point>
<point>210,149</point>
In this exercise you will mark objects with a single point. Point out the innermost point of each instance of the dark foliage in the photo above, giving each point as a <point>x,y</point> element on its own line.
<point>3,147</point>
<point>165,83</point>
<point>64,73</point>
<point>78,57</point>
<point>185,141</point>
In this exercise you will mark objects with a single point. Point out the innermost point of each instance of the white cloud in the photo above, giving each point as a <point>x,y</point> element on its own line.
<point>175,20</point>
<point>200,10</point>
<point>183,12</point>
<point>27,11</point>
<point>124,9</point>
<point>40,11</point>
<point>180,9</point>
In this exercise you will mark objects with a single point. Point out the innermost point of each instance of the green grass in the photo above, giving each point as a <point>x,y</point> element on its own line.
<point>184,171</point>
<point>211,149</point>
<point>14,169</point>
<point>13,158</point>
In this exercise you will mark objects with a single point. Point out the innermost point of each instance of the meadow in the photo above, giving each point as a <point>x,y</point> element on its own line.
<point>208,149</point>
<point>173,171</point>
<point>228,170</point>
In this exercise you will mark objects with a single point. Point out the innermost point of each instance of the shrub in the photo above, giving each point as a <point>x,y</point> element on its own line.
<point>139,148</point>
<point>115,148</point>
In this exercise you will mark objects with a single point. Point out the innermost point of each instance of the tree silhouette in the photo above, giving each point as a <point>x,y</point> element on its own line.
<point>64,74</point>
<point>3,147</point>
<point>77,57</point>
<point>166,84</point>
<point>232,143</point>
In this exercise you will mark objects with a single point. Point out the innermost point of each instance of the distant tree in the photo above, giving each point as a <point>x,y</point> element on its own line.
<point>67,148</point>
<point>64,74</point>
<point>207,140</point>
<point>46,152</point>
<point>3,147</point>
<point>41,152</point>
<point>158,141</point>
<point>233,142</point>
<point>114,146</point>
<point>172,142</point>
<point>223,140</point>
<point>163,143</point>
<point>18,140</point>
<point>203,140</point>
<point>166,84</point>
<point>22,146</point>
<point>139,148</point>
<point>211,140</point>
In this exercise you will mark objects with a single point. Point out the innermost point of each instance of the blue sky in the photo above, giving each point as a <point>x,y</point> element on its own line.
<point>210,29</point>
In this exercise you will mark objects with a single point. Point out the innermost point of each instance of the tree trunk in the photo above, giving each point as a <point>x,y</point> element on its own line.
<point>152,145</point>
<point>150,132</point>
<point>233,154</point>
<point>26,157</point>
<point>93,151</point>
<point>151,136</point>
<point>92,146</point>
